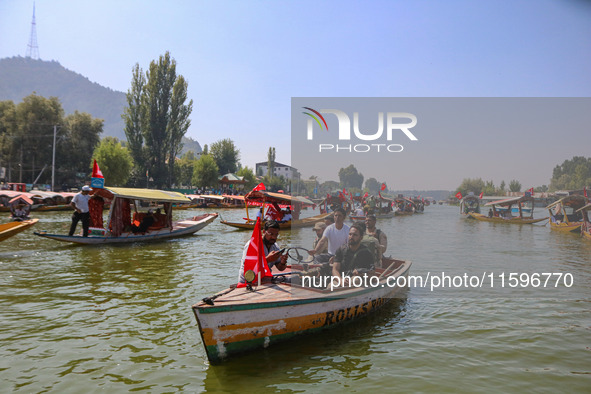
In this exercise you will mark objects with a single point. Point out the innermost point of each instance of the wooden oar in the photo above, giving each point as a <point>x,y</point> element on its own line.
<point>387,269</point>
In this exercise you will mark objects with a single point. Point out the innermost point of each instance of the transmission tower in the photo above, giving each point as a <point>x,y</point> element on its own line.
<point>33,48</point>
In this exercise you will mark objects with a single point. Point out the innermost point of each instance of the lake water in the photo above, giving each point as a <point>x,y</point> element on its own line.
<point>118,318</point>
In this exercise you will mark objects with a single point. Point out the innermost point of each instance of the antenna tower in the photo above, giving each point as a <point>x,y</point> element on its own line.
<point>32,47</point>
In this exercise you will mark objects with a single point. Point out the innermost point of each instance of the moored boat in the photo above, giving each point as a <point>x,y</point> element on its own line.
<point>237,320</point>
<point>505,216</point>
<point>122,227</point>
<point>586,226</point>
<point>7,230</point>
<point>469,203</point>
<point>564,214</point>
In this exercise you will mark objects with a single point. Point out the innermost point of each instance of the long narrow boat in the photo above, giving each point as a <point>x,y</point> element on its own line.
<point>404,206</point>
<point>119,226</point>
<point>563,213</point>
<point>505,216</point>
<point>262,199</point>
<point>586,226</point>
<point>7,230</point>
<point>237,320</point>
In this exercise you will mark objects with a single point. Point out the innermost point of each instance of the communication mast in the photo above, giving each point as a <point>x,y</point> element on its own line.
<point>32,47</point>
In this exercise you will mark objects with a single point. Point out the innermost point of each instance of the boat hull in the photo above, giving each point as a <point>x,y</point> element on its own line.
<point>10,229</point>
<point>566,227</point>
<point>307,222</point>
<point>277,312</point>
<point>516,220</point>
<point>180,229</point>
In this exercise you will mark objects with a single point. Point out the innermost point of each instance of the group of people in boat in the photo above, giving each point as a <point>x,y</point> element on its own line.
<point>276,213</point>
<point>338,247</point>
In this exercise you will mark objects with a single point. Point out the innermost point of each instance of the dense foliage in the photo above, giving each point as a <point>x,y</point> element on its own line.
<point>114,161</point>
<point>572,174</point>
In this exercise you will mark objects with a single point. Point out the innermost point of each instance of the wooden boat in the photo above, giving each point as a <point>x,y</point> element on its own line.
<point>262,199</point>
<point>564,214</point>
<point>469,203</point>
<point>404,206</point>
<point>119,226</point>
<point>237,320</point>
<point>7,230</point>
<point>506,215</point>
<point>586,226</point>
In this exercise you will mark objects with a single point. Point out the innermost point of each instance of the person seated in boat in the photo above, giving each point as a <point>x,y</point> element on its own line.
<point>328,220</point>
<point>275,257</point>
<point>319,230</point>
<point>353,258</point>
<point>260,214</point>
<point>490,213</point>
<point>146,222</point>
<point>359,211</point>
<point>334,236</point>
<point>286,216</point>
<point>20,212</point>
<point>371,230</point>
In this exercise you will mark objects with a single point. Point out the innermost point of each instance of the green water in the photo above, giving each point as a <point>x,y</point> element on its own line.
<point>118,318</point>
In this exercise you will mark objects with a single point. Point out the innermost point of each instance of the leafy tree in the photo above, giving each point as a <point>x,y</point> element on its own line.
<point>502,186</point>
<point>205,172</point>
<point>80,136</point>
<point>114,161</point>
<point>373,186</point>
<point>327,187</point>
<point>541,189</point>
<point>350,178</point>
<point>489,189</point>
<point>514,186</point>
<point>249,177</point>
<point>572,174</point>
<point>8,156</point>
<point>184,168</point>
<point>157,117</point>
<point>225,155</point>
<point>205,150</point>
<point>468,185</point>
<point>275,183</point>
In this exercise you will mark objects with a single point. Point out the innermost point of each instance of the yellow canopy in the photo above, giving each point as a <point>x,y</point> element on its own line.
<point>147,194</point>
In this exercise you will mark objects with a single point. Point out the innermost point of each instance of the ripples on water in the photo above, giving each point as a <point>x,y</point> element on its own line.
<point>118,318</point>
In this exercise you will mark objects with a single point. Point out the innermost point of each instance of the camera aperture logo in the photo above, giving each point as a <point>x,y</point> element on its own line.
<point>371,140</point>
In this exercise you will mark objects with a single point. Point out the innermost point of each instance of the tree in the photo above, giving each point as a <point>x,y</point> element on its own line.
<point>156,118</point>
<point>8,156</point>
<point>514,186</point>
<point>205,150</point>
<point>468,185</point>
<point>205,172</point>
<point>489,189</point>
<point>114,161</point>
<point>249,177</point>
<point>350,178</point>
<point>226,156</point>
<point>184,168</point>
<point>372,186</point>
<point>572,174</point>
<point>80,136</point>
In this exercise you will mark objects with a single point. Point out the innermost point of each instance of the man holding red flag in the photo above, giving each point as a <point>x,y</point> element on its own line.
<point>261,253</point>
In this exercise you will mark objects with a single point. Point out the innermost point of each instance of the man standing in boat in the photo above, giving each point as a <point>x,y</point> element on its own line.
<point>273,254</point>
<point>81,212</point>
<point>335,236</point>
<point>353,258</point>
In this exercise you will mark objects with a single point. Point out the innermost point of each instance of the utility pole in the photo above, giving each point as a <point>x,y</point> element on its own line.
<point>53,160</point>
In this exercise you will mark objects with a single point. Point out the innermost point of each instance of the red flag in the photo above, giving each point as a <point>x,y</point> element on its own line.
<point>255,255</point>
<point>342,197</point>
<point>344,191</point>
<point>96,171</point>
<point>383,187</point>
<point>366,195</point>
<point>260,186</point>
<point>459,195</point>
<point>531,191</point>
<point>481,194</point>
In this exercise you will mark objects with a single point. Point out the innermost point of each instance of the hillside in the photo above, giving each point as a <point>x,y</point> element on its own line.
<point>20,77</point>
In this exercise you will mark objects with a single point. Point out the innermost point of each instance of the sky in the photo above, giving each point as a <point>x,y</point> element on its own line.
<point>245,60</point>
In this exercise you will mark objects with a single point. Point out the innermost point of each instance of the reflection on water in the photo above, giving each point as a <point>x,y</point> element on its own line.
<point>118,318</point>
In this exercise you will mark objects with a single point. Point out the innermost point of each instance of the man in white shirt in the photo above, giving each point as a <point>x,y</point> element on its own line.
<point>335,235</point>
<point>81,212</point>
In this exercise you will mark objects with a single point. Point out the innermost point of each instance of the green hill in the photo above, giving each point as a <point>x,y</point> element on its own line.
<point>21,76</point>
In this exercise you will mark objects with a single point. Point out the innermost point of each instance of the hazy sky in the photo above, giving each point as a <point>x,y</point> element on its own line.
<point>245,60</point>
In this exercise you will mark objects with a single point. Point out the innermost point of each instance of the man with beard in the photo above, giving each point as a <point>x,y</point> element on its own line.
<point>272,252</point>
<point>353,258</point>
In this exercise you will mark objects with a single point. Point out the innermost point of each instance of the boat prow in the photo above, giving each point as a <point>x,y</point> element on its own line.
<point>7,230</point>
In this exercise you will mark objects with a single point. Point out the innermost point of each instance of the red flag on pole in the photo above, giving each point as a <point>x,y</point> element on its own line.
<point>255,256</point>
<point>383,187</point>
<point>481,194</point>
<point>459,195</point>
<point>530,191</point>
<point>366,195</point>
<point>260,186</point>
<point>96,171</point>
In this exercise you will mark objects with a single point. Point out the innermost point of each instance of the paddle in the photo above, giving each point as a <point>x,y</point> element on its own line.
<point>209,300</point>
